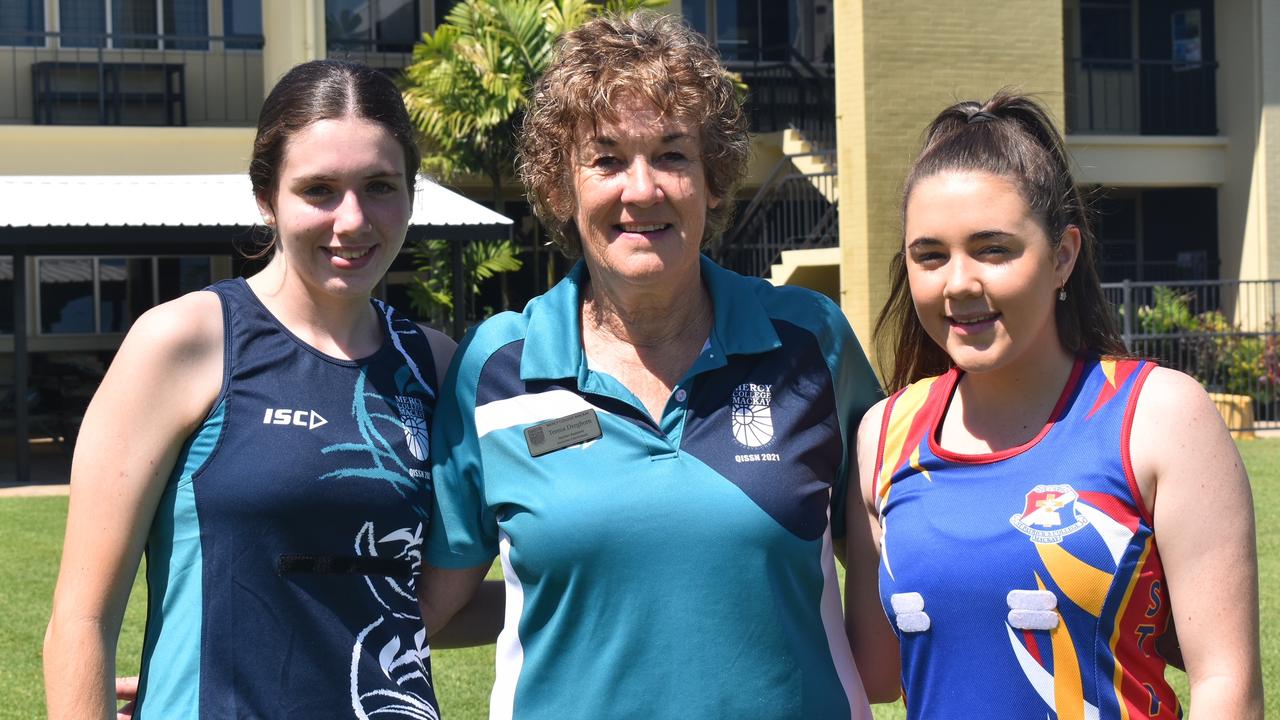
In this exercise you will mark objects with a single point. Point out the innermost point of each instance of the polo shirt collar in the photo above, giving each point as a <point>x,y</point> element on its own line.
<point>553,341</point>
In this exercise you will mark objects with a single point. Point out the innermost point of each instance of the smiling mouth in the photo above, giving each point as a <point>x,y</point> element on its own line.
<point>972,320</point>
<point>350,254</point>
<point>641,228</point>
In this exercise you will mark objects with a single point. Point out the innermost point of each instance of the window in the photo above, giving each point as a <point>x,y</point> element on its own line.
<point>104,295</point>
<point>6,295</point>
<point>173,24</point>
<point>1106,30</point>
<point>754,30</point>
<point>22,23</point>
<point>442,8</point>
<point>390,26</point>
<point>242,24</point>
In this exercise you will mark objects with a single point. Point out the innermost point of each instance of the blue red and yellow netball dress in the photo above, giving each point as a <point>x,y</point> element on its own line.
<point>1024,583</point>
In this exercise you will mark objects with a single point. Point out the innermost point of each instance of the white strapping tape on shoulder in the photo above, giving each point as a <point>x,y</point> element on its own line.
<point>1033,609</point>
<point>908,611</point>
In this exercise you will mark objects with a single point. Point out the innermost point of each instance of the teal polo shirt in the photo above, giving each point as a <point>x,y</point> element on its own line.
<point>672,567</point>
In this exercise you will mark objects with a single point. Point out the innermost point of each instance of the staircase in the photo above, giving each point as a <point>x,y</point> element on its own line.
<point>789,232</point>
<point>794,211</point>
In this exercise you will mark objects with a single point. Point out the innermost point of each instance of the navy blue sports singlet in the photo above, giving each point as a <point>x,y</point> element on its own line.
<point>282,561</point>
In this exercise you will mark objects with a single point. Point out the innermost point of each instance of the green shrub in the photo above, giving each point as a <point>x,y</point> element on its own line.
<point>1211,348</point>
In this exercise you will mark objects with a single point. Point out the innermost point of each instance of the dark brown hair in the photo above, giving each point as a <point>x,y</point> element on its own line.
<point>609,59</point>
<point>1011,136</point>
<point>326,90</point>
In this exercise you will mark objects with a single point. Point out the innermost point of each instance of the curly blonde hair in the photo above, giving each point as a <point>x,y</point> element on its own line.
<point>612,59</point>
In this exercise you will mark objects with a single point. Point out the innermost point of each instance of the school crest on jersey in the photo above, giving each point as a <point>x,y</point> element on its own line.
<point>415,425</point>
<point>751,415</point>
<point>1049,514</point>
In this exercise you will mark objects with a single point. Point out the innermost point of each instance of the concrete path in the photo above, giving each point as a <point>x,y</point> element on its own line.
<point>50,472</point>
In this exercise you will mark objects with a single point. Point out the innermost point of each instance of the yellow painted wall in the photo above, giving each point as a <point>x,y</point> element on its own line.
<point>1149,160</point>
<point>899,62</point>
<point>80,150</point>
<point>293,32</point>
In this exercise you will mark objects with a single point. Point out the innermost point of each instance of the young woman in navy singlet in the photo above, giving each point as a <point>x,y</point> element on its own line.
<point>266,442</point>
<point>1046,507</point>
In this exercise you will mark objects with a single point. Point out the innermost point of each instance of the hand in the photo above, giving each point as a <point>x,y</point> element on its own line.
<point>127,691</point>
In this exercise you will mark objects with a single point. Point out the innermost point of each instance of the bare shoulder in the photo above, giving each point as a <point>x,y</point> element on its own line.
<point>440,343</point>
<point>442,349</point>
<point>869,447</point>
<point>177,346</point>
<point>1176,429</point>
<point>184,327</point>
<point>1172,400</point>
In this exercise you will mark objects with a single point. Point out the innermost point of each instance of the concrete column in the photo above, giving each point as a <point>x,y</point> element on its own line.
<point>900,62</point>
<point>294,32</point>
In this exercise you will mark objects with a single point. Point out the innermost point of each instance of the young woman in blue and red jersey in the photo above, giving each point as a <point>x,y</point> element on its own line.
<point>1047,508</point>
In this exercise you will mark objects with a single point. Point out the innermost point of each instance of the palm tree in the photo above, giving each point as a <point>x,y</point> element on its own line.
<point>469,83</point>
<point>466,90</point>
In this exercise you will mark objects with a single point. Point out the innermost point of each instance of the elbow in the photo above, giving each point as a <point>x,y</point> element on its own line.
<point>879,675</point>
<point>882,689</point>
<point>884,695</point>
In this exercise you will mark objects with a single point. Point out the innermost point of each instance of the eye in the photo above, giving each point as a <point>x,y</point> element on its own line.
<point>316,192</point>
<point>381,187</point>
<point>994,252</point>
<point>606,162</point>
<point>673,157</point>
<point>928,258</point>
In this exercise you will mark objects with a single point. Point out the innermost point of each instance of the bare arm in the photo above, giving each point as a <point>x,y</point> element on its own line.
<point>875,647</point>
<point>442,595</point>
<point>1194,481</point>
<point>442,349</point>
<point>162,383</point>
<point>478,622</point>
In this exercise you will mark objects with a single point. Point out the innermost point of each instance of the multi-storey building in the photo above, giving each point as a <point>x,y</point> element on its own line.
<point>1170,108</point>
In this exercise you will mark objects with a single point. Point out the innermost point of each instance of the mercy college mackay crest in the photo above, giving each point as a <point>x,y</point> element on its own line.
<point>752,418</point>
<point>1050,514</point>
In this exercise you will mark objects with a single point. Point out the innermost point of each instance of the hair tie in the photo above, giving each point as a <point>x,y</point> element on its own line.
<point>980,116</point>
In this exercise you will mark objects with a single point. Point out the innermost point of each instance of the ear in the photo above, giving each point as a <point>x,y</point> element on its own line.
<point>1066,254</point>
<point>713,202</point>
<point>265,209</point>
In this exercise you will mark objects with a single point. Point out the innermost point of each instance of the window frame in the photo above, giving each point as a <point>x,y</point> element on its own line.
<point>108,30</point>
<point>154,268</point>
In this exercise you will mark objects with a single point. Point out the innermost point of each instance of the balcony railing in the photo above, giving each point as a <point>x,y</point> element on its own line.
<point>793,210</point>
<point>1141,97</point>
<point>130,79</point>
<point>785,90</point>
<point>1225,333</point>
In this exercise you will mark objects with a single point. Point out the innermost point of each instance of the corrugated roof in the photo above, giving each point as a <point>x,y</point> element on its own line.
<point>183,201</point>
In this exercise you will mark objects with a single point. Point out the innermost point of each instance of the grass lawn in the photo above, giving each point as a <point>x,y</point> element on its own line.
<point>31,537</point>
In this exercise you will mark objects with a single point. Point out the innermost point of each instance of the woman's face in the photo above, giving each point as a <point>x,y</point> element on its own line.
<point>341,207</point>
<point>984,277</point>
<point>641,197</point>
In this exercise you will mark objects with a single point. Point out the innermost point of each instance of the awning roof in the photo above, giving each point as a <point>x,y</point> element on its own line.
<point>58,204</point>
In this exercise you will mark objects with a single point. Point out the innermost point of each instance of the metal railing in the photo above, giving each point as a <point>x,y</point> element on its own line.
<point>391,58</point>
<point>785,90</point>
<point>67,78</point>
<point>1142,97</point>
<point>1190,266</point>
<point>793,210</point>
<point>1225,333</point>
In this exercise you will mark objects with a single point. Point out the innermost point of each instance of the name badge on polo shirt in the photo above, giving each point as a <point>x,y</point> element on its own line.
<point>552,435</point>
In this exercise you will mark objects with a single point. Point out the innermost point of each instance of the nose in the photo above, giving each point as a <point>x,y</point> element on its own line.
<point>349,216</point>
<point>641,184</point>
<point>962,277</point>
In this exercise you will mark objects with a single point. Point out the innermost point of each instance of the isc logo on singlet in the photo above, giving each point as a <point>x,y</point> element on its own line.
<point>309,419</point>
